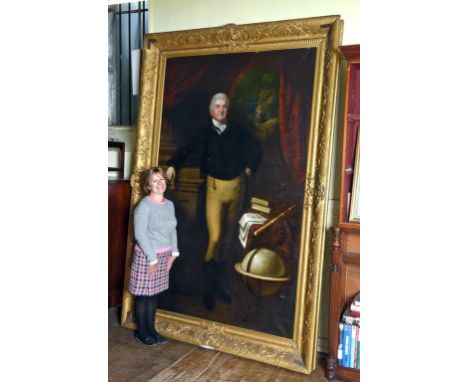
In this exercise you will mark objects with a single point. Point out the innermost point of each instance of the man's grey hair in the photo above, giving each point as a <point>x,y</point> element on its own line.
<point>217,97</point>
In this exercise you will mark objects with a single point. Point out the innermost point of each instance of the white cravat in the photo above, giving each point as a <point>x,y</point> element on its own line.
<point>220,126</point>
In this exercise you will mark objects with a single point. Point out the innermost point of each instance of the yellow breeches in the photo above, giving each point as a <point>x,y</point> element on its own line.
<point>224,200</point>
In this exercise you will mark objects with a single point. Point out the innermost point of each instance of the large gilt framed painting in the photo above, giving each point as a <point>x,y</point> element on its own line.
<point>280,81</point>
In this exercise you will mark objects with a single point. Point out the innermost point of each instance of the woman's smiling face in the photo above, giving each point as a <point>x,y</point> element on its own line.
<point>158,184</point>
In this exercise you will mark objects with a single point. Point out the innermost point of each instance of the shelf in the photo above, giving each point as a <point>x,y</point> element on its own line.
<point>350,226</point>
<point>348,374</point>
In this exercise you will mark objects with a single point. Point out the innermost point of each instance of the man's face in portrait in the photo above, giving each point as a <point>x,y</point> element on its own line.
<point>219,110</point>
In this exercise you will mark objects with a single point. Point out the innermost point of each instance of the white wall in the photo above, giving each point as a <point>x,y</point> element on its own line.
<point>172,15</point>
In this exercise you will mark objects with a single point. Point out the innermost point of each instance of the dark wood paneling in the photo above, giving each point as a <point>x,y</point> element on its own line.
<point>118,213</point>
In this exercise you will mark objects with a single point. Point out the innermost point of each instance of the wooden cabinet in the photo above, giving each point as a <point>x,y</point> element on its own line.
<point>345,259</point>
<point>118,215</point>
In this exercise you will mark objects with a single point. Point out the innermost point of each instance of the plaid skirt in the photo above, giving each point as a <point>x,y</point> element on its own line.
<point>141,282</point>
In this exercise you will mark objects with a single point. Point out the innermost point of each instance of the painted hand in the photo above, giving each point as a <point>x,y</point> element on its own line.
<point>170,173</point>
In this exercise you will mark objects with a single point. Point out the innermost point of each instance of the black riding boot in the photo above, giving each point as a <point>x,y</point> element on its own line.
<point>219,276</point>
<point>209,272</point>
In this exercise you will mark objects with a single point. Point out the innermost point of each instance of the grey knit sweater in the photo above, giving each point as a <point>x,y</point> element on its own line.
<point>155,227</point>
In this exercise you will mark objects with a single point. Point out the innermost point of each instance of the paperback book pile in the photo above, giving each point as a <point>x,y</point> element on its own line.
<point>349,344</point>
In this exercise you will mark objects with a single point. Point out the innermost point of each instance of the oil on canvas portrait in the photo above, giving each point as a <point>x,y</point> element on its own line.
<point>270,96</point>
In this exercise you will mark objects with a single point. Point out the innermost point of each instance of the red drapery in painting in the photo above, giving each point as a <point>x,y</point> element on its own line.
<point>294,112</point>
<point>182,78</point>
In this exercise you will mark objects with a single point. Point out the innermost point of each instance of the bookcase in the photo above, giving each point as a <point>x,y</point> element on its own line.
<point>345,258</point>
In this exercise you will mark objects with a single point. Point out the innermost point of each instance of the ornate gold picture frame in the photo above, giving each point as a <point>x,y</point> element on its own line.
<point>280,41</point>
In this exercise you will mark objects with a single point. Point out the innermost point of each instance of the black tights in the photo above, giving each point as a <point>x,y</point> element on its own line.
<point>145,312</point>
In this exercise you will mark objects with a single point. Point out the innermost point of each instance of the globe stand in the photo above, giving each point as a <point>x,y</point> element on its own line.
<point>259,285</point>
<point>263,270</point>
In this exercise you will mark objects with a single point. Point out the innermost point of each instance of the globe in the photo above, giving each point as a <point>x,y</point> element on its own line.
<point>263,271</point>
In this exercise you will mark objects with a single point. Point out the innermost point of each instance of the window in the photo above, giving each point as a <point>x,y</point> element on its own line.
<point>127,24</point>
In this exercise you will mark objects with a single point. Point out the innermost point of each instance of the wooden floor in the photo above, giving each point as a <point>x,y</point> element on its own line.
<point>130,361</point>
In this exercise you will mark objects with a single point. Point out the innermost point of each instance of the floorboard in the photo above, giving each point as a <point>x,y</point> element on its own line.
<point>130,361</point>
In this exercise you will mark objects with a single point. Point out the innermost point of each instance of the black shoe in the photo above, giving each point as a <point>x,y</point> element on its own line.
<point>160,339</point>
<point>224,297</point>
<point>209,301</point>
<point>148,341</point>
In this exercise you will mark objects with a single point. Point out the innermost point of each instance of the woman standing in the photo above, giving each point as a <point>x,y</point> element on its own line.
<point>154,253</point>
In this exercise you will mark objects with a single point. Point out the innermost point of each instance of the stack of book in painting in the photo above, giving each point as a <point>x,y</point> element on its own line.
<point>262,215</point>
<point>252,218</point>
<point>349,344</point>
<point>261,205</point>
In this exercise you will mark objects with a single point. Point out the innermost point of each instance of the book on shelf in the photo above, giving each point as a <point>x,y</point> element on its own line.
<point>356,347</point>
<point>352,348</point>
<point>350,318</point>
<point>259,201</point>
<point>339,355</point>
<point>347,333</point>
<point>349,342</point>
<point>348,354</point>
<point>355,306</point>
<point>354,312</point>
<point>358,361</point>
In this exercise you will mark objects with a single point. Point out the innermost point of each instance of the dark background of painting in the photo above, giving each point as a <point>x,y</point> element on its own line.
<point>271,94</point>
